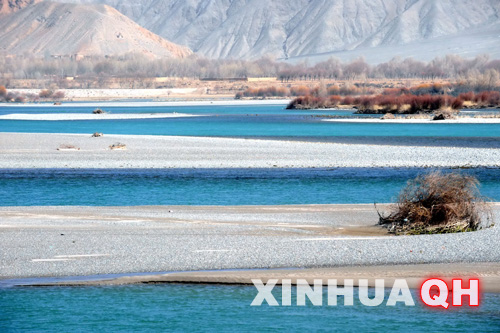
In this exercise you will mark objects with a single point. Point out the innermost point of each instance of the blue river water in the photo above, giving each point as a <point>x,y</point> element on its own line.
<point>216,308</point>
<point>234,121</point>
<point>219,308</point>
<point>90,187</point>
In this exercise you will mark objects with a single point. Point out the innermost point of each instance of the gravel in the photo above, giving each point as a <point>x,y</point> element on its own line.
<point>67,241</point>
<point>29,150</point>
<point>91,116</point>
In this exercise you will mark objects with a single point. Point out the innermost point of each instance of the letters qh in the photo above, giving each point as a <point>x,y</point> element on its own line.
<point>458,292</point>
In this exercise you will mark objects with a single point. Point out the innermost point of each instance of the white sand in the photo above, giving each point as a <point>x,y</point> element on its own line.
<point>230,102</point>
<point>91,116</point>
<point>414,274</point>
<point>27,150</point>
<point>465,120</point>
<point>79,240</point>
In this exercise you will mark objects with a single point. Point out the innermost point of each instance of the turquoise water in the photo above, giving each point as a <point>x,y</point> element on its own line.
<point>201,110</point>
<point>236,121</point>
<point>212,307</point>
<point>214,187</point>
<point>218,308</point>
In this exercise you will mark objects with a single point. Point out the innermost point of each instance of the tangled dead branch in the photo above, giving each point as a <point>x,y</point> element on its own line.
<point>439,203</point>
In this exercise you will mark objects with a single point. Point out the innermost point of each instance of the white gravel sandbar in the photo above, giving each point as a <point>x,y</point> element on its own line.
<point>28,150</point>
<point>91,116</point>
<point>69,241</point>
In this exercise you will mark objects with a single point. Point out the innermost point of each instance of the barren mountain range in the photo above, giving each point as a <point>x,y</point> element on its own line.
<point>378,29</point>
<point>58,29</point>
<point>296,28</point>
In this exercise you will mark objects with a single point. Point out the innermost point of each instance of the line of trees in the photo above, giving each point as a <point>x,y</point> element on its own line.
<point>481,68</point>
<point>448,67</point>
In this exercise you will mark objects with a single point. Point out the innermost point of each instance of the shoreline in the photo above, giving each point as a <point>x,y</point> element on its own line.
<point>39,150</point>
<point>487,272</point>
<point>465,120</point>
<point>90,116</point>
<point>142,103</point>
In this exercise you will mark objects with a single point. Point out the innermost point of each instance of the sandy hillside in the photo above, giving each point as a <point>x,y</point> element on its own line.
<point>11,6</point>
<point>56,29</point>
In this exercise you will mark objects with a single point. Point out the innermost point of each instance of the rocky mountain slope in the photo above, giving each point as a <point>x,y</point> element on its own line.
<point>49,28</point>
<point>297,28</point>
<point>11,6</point>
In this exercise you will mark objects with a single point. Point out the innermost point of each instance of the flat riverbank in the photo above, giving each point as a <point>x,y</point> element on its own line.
<point>30,150</point>
<point>415,274</point>
<point>142,103</point>
<point>461,120</point>
<point>91,116</point>
<point>81,241</point>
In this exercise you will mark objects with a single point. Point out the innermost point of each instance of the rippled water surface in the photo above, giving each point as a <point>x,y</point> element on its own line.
<point>234,121</point>
<point>221,309</point>
<point>214,186</point>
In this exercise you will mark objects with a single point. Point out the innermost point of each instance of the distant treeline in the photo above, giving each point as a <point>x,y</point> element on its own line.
<point>138,66</point>
<point>356,89</point>
<point>477,84</point>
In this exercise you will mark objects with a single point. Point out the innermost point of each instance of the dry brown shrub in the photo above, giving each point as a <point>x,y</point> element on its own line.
<point>333,101</point>
<point>348,100</point>
<point>46,93</point>
<point>468,96</point>
<point>59,94</point>
<point>263,92</point>
<point>457,103</point>
<point>439,203</point>
<point>366,103</point>
<point>300,91</point>
<point>333,90</point>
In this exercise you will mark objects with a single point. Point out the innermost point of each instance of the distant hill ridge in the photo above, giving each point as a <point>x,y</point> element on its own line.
<point>59,29</point>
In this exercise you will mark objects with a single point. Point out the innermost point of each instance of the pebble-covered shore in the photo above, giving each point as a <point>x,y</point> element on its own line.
<point>69,241</point>
<point>91,116</point>
<point>29,150</point>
